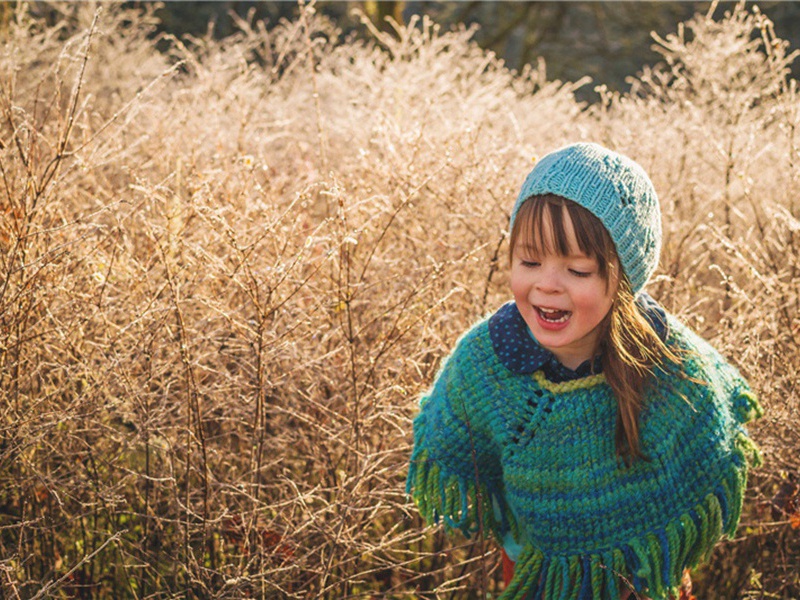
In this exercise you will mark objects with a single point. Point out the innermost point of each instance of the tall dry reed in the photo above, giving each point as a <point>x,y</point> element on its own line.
<point>230,267</point>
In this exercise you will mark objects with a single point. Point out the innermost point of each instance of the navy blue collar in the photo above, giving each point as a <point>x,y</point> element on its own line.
<point>519,352</point>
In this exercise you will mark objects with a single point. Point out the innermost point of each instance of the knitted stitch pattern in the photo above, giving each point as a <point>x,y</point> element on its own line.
<point>507,452</point>
<point>616,190</point>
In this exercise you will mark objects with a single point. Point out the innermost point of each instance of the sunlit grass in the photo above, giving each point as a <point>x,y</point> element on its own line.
<point>229,269</point>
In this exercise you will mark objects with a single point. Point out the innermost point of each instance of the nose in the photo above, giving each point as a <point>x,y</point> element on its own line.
<point>549,281</point>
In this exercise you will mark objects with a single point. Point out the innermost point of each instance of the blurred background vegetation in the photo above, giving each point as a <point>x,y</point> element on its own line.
<point>608,41</point>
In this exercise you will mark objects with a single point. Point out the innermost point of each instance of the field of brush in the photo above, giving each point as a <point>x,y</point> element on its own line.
<point>229,268</point>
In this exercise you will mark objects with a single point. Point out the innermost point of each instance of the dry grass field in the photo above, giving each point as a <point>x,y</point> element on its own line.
<point>229,268</point>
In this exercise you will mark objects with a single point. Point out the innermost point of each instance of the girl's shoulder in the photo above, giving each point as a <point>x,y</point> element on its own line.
<point>695,351</point>
<point>471,350</point>
<point>495,348</point>
<point>704,373</point>
<point>472,341</point>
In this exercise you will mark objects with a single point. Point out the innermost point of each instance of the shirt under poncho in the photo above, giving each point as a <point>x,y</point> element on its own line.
<point>501,448</point>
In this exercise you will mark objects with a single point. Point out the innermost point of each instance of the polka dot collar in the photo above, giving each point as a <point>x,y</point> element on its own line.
<point>519,352</point>
<point>513,344</point>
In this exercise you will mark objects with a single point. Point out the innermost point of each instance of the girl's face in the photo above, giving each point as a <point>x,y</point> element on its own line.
<point>562,297</point>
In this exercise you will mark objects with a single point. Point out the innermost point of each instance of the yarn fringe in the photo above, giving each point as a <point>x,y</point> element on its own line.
<point>462,503</point>
<point>458,502</point>
<point>746,407</point>
<point>652,564</point>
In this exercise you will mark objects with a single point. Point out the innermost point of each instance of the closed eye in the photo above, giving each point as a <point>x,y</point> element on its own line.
<point>529,263</point>
<point>580,273</point>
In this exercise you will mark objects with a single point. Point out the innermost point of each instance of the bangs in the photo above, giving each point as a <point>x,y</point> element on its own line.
<point>540,223</point>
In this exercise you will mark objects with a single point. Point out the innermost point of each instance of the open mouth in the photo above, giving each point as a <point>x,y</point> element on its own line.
<point>552,315</point>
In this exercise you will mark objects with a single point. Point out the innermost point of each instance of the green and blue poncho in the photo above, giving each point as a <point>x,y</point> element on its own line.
<point>501,448</point>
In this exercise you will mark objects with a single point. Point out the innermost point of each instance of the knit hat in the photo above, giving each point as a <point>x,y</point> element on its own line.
<point>616,190</point>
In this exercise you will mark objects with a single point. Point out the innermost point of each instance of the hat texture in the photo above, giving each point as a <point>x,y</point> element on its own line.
<point>616,190</point>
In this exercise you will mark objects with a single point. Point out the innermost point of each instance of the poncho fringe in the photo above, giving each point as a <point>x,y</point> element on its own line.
<point>653,563</point>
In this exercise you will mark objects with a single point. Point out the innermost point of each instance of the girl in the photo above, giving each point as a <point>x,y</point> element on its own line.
<point>597,438</point>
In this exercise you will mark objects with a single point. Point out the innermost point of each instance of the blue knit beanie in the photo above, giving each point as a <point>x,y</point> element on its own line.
<point>616,190</point>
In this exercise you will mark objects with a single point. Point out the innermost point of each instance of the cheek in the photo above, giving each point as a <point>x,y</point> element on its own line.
<point>596,301</point>
<point>603,309</point>
<point>517,283</point>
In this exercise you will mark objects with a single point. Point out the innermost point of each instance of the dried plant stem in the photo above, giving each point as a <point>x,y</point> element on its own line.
<point>48,588</point>
<point>493,267</point>
<point>194,427</point>
<point>52,167</point>
<point>312,69</point>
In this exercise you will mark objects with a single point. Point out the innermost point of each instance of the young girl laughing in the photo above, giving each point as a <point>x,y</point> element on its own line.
<point>598,438</point>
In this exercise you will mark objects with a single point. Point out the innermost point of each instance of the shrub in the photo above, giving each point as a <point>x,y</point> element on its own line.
<point>230,267</point>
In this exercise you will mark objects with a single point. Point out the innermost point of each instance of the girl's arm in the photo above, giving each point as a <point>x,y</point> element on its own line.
<point>455,471</point>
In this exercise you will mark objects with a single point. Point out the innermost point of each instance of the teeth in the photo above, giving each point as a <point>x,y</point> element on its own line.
<point>546,312</point>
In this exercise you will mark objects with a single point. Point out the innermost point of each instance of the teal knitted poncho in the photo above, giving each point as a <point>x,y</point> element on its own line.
<point>499,448</point>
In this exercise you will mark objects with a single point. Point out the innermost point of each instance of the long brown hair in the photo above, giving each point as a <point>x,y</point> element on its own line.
<point>630,347</point>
